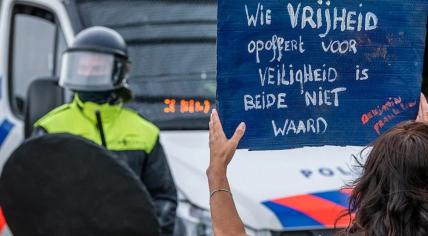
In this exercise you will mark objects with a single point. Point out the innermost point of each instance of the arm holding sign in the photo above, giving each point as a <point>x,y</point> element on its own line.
<point>225,218</point>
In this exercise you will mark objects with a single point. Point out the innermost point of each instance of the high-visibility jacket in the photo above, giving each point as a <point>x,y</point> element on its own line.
<point>131,137</point>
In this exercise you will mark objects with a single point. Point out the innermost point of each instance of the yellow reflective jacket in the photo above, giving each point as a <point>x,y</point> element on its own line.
<point>132,138</point>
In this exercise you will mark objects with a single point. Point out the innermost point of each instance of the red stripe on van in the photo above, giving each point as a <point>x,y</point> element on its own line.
<point>2,221</point>
<point>319,209</point>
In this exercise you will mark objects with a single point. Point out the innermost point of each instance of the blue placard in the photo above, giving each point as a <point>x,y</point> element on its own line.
<point>314,73</point>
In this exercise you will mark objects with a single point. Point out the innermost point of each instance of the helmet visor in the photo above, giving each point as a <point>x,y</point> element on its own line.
<point>88,71</point>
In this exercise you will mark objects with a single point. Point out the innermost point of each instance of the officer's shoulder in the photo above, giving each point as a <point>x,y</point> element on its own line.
<point>140,122</point>
<point>55,113</point>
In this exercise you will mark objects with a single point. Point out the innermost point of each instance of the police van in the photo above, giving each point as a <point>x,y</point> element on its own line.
<point>172,46</point>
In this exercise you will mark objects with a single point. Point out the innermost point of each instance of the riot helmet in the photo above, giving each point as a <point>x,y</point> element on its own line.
<point>97,61</point>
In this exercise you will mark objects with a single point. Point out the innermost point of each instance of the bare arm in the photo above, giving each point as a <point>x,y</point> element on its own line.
<point>225,218</point>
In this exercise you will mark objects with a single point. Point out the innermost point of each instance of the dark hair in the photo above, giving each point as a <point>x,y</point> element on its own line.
<point>391,196</point>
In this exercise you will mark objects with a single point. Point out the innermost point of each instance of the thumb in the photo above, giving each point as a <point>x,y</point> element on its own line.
<point>239,133</point>
<point>424,108</point>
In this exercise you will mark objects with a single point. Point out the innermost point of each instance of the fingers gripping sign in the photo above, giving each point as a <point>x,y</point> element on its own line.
<point>423,110</point>
<point>222,149</point>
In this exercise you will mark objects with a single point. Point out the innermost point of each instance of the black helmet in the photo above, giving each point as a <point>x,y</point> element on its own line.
<point>96,61</point>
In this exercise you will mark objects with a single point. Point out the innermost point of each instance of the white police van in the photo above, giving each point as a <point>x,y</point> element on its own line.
<point>173,51</point>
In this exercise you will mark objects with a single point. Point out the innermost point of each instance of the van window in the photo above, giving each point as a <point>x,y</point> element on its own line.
<point>173,54</point>
<point>36,42</point>
<point>61,46</point>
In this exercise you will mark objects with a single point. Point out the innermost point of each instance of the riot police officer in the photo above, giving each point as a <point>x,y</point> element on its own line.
<point>96,68</point>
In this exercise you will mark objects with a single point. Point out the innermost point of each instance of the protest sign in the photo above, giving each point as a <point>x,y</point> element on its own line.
<point>314,73</point>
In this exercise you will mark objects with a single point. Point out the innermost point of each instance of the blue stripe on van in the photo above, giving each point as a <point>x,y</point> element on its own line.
<point>335,196</point>
<point>5,128</point>
<point>290,218</point>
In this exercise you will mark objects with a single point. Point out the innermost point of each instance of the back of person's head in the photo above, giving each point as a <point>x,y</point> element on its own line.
<point>391,196</point>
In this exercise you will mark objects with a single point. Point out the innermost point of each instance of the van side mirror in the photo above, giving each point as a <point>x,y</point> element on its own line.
<point>43,95</point>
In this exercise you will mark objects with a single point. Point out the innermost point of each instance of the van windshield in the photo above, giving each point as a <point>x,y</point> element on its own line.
<point>172,46</point>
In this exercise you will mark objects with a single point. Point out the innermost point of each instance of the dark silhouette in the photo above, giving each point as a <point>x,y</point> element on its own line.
<point>64,185</point>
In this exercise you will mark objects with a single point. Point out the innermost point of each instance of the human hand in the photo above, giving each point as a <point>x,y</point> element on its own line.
<point>423,110</point>
<point>221,148</point>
